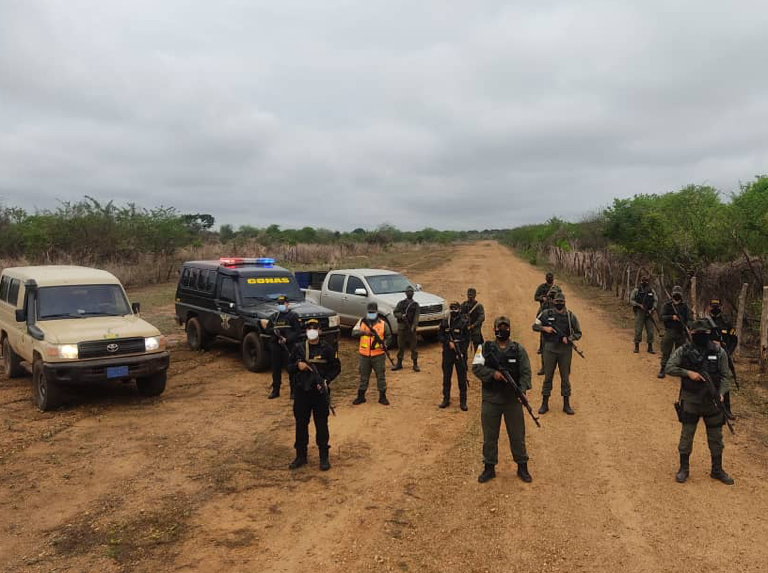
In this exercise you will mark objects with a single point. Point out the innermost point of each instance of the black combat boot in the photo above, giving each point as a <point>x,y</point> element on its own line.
<point>274,394</point>
<point>383,398</point>
<point>718,472</point>
<point>445,403</point>
<point>488,473</point>
<point>567,406</point>
<point>662,373</point>
<point>650,349</point>
<point>360,398</point>
<point>522,473</point>
<point>399,365</point>
<point>544,405</point>
<point>463,403</point>
<point>325,462</point>
<point>301,459</point>
<point>682,473</point>
<point>637,348</point>
<point>416,365</point>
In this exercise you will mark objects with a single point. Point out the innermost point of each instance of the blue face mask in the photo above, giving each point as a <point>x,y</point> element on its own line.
<point>371,316</point>
<point>282,307</point>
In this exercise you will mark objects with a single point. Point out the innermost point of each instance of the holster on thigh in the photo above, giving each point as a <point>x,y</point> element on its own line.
<point>685,417</point>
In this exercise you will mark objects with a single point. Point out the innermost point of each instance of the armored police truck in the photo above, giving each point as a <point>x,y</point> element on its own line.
<point>234,298</point>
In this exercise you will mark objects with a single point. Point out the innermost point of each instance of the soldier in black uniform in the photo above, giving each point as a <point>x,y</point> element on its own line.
<point>476,316</point>
<point>689,362</point>
<point>724,334</point>
<point>284,329</point>
<point>314,365</point>
<point>454,336</point>
<point>676,316</point>
<point>407,314</point>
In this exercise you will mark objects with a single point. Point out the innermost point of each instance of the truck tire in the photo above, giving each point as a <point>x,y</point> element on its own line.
<point>48,395</point>
<point>255,356</point>
<point>197,337</point>
<point>152,385</point>
<point>11,361</point>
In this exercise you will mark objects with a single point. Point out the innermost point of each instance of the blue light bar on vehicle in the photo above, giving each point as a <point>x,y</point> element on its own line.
<point>265,262</point>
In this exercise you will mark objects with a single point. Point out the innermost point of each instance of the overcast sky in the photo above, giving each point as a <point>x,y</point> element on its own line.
<point>347,113</point>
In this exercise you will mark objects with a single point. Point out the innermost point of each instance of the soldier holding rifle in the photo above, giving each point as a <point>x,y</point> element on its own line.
<point>644,302</point>
<point>454,336</point>
<point>407,314</point>
<point>476,315</point>
<point>675,315</point>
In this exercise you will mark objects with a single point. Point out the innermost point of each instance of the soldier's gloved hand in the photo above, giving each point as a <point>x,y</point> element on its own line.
<point>498,376</point>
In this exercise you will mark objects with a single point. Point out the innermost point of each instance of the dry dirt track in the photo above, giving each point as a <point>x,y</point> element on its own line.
<point>197,480</point>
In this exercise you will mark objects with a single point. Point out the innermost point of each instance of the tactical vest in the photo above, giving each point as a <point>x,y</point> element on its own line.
<point>452,328</point>
<point>560,321</point>
<point>314,355</point>
<point>368,345</point>
<point>700,361</point>
<point>644,298</point>
<point>507,359</point>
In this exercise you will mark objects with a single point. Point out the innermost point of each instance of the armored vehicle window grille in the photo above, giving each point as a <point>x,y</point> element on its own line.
<point>336,283</point>
<point>107,348</point>
<point>431,309</point>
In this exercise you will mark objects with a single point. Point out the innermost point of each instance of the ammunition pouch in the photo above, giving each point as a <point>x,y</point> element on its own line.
<point>685,417</point>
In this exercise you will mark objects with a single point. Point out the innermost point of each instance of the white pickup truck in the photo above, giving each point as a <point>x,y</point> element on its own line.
<point>349,291</point>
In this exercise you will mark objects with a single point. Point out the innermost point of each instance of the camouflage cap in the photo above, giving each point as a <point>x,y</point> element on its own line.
<point>700,326</point>
<point>500,320</point>
<point>373,307</point>
<point>560,296</point>
<point>471,291</point>
<point>677,289</point>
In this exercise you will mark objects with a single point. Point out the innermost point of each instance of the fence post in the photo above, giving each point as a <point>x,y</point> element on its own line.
<point>628,291</point>
<point>764,330</point>
<point>694,299</point>
<point>740,316</point>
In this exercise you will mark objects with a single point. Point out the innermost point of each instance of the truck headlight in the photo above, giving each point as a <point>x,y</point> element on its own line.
<point>153,343</point>
<point>64,351</point>
<point>333,321</point>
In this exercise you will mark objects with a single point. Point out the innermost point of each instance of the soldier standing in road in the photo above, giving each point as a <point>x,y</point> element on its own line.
<point>701,355</point>
<point>547,303</point>
<point>644,301</point>
<point>724,334</point>
<point>561,328</point>
<point>675,315</point>
<point>313,366</point>
<point>284,329</point>
<point>407,314</point>
<point>499,400</point>
<point>475,314</point>
<point>542,291</point>
<point>454,336</point>
<point>373,331</point>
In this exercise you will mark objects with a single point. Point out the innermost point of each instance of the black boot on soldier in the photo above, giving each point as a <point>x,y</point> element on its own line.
<point>383,398</point>
<point>463,403</point>
<point>360,398</point>
<point>399,365</point>
<point>522,473</point>
<point>637,348</point>
<point>544,405</point>
<point>274,394</point>
<point>682,473</point>
<point>445,403</point>
<point>325,462</point>
<point>567,406</point>
<point>301,459</point>
<point>662,372</point>
<point>488,473</point>
<point>718,472</point>
<point>416,366</point>
<point>650,349</point>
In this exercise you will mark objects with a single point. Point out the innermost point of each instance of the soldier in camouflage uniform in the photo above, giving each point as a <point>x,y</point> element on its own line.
<point>675,315</point>
<point>475,314</point>
<point>688,362</point>
<point>499,400</point>
<point>644,301</point>
<point>725,335</point>
<point>407,314</point>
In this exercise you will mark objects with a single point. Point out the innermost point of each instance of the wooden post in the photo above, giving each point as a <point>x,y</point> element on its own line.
<point>740,316</point>
<point>694,303</point>
<point>628,291</point>
<point>764,331</point>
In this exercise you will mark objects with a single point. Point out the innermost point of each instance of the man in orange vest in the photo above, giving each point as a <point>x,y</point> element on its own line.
<point>372,330</point>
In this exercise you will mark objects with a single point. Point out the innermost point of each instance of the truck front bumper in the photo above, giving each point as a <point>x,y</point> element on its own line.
<point>96,370</point>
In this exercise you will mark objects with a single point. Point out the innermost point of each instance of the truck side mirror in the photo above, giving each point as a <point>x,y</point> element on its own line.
<point>361,292</point>
<point>136,307</point>
<point>21,315</point>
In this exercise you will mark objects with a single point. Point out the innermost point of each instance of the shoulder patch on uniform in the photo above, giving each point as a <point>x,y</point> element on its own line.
<point>479,358</point>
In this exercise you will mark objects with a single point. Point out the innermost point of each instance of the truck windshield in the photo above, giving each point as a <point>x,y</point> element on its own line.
<point>269,288</point>
<point>78,301</point>
<point>388,284</point>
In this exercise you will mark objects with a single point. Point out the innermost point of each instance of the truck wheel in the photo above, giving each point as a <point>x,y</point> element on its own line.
<point>152,385</point>
<point>48,395</point>
<point>11,361</point>
<point>255,356</point>
<point>197,338</point>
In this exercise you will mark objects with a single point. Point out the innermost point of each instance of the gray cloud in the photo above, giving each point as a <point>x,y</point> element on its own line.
<point>344,114</point>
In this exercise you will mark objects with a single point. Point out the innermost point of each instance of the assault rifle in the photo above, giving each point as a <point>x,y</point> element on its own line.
<point>571,342</point>
<point>682,321</point>
<point>714,394</point>
<point>648,313</point>
<point>321,383</point>
<point>378,340</point>
<point>519,394</point>
<point>460,355</point>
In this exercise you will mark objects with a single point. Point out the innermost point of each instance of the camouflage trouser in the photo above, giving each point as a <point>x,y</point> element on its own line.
<point>490,418</point>
<point>643,321</point>
<point>672,339</point>
<point>375,364</point>
<point>561,360</point>
<point>713,420</point>
<point>406,337</point>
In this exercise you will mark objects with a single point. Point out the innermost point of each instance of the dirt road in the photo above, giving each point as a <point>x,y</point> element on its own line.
<point>197,480</point>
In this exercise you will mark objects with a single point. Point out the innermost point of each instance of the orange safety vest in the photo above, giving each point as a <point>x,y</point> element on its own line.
<point>368,345</point>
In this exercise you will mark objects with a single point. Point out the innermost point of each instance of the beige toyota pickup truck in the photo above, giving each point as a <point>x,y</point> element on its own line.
<point>69,325</point>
